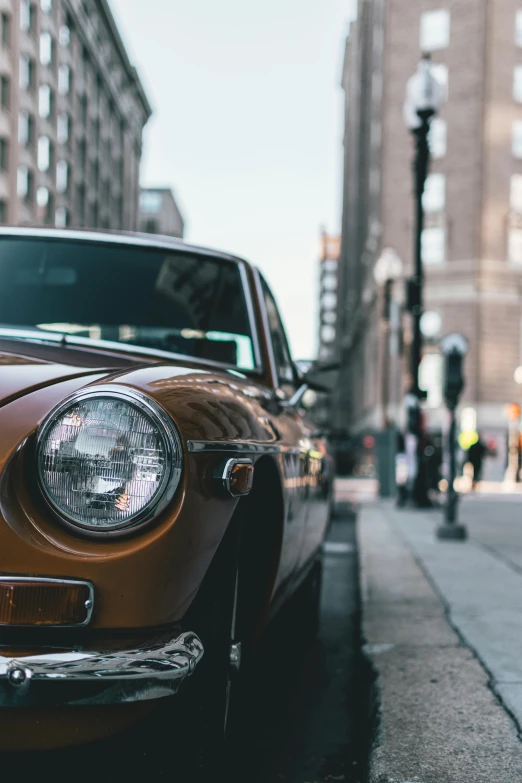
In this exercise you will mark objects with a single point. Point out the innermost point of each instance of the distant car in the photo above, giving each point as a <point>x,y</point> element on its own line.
<point>162,494</point>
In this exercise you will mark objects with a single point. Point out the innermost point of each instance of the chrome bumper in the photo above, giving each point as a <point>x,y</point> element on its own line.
<point>72,679</point>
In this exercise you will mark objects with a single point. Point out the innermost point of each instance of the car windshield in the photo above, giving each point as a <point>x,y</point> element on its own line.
<point>181,302</point>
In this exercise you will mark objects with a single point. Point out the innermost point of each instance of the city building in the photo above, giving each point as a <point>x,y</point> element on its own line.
<point>328,284</point>
<point>472,242</point>
<point>159,213</point>
<point>72,111</point>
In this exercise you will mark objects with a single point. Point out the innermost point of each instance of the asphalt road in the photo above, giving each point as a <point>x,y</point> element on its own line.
<point>302,710</point>
<point>304,722</point>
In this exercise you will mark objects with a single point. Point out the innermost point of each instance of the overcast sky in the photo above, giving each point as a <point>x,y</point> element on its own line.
<point>247,129</point>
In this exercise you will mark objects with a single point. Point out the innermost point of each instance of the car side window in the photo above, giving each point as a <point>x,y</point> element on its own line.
<point>283,360</point>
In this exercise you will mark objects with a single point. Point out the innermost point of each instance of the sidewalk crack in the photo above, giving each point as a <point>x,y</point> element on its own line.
<point>491,682</point>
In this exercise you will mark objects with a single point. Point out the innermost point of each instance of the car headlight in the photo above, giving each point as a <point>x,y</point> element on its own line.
<point>109,459</point>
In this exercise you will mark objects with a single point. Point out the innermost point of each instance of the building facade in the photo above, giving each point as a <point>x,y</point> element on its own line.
<point>159,213</point>
<point>72,112</point>
<point>328,285</point>
<point>472,242</point>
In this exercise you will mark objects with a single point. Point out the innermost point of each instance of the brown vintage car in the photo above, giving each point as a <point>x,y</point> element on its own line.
<point>162,494</point>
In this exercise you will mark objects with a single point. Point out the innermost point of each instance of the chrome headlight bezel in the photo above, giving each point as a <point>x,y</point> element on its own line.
<point>171,439</point>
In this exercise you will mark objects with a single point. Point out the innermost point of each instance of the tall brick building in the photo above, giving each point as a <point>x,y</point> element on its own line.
<point>472,244</point>
<point>72,111</point>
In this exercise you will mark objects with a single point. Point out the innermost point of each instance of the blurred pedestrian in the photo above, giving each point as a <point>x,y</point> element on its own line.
<point>476,453</point>
<point>401,471</point>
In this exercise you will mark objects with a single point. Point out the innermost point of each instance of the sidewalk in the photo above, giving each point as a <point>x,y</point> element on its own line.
<point>443,628</point>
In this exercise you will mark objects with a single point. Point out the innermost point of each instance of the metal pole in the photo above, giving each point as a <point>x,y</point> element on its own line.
<point>451,529</point>
<point>452,496</point>
<point>420,170</point>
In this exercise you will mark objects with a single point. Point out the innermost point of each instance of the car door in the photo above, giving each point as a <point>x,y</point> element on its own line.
<point>293,457</point>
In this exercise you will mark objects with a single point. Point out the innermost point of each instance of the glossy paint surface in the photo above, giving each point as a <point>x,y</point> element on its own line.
<point>150,578</point>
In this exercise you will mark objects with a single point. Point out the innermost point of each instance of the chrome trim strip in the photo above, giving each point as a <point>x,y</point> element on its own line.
<point>258,362</point>
<point>48,580</point>
<point>153,671</point>
<point>239,447</point>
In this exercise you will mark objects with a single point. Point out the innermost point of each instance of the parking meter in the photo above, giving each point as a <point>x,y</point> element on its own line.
<point>454,347</point>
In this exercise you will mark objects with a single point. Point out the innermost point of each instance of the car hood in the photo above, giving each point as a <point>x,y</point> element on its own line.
<point>24,368</point>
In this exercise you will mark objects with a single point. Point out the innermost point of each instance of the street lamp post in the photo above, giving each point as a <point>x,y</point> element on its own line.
<point>387,269</point>
<point>454,348</point>
<point>424,97</point>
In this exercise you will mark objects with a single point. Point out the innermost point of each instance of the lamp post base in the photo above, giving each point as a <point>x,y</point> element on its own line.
<point>452,532</point>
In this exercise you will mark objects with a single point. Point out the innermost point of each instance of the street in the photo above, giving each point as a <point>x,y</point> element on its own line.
<point>301,707</point>
<point>303,720</point>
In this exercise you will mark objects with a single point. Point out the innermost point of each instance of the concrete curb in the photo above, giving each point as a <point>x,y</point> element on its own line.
<point>436,720</point>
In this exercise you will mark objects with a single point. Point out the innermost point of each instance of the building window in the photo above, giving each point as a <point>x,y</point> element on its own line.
<point>26,15</point>
<point>62,128</point>
<point>64,79</point>
<point>518,28</point>
<point>6,30</point>
<point>438,137</point>
<point>4,155</point>
<point>434,30</point>
<point>515,194</point>
<point>95,175</point>
<point>433,245</point>
<point>42,203</point>
<point>22,182</point>
<point>434,196</point>
<point>3,211</point>
<point>25,129</point>
<point>64,35</point>
<point>82,156</point>
<point>62,176</point>
<point>46,49</point>
<point>46,6</point>
<point>151,226</point>
<point>95,130</point>
<point>515,246</point>
<point>516,142</point>
<point>26,72</point>
<point>82,111</point>
<point>42,197</point>
<point>517,84</point>
<point>5,92</point>
<point>45,101</point>
<point>61,217</point>
<point>44,153</point>
<point>80,203</point>
<point>150,201</point>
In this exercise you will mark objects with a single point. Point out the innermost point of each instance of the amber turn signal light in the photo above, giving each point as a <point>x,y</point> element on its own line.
<point>235,477</point>
<point>241,479</point>
<point>44,602</point>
